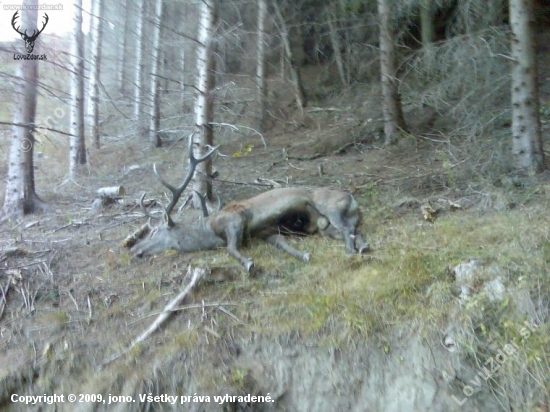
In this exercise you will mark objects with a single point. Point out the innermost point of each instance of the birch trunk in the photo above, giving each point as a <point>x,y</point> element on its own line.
<point>20,197</point>
<point>140,63</point>
<point>77,151</point>
<point>393,113</point>
<point>203,104</point>
<point>182,80</point>
<point>261,83</point>
<point>95,69</point>
<point>123,45</point>
<point>526,127</point>
<point>154,98</point>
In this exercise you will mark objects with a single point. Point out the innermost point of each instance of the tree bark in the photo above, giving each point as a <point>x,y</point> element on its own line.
<point>393,112</point>
<point>526,127</point>
<point>335,43</point>
<point>154,98</point>
<point>95,69</point>
<point>123,45</point>
<point>261,83</point>
<point>20,197</point>
<point>183,78</point>
<point>77,151</point>
<point>426,24</point>
<point>139,74</point>
<point>294,73</point>
<point>204,135</point>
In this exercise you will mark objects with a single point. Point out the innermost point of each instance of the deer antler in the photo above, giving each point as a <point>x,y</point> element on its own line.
<point>177,191</point>
<point>202,199</point>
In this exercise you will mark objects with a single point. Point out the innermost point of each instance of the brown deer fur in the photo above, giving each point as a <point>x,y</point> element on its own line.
<point>330,212</point>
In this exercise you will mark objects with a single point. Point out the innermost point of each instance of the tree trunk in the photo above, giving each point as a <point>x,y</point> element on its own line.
<point>77,151</point>
<point>294,73</point>
<point>393,113</point>
<point>261,84</point>
<point>123,45</point>
<point>154,95</point>
<point>20,195</point>
<point>95,69</point>
<point>526,128</point>
<point>178,10</point>
<point>335,43</point>
<point>183,78</point>
<point>139,92</point>
<point>203,105</point>
<point>426,24</point>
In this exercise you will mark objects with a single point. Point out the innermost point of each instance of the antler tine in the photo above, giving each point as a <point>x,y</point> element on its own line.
<point>177,191</point>
<point>144,210</point>
<point>203,203</point>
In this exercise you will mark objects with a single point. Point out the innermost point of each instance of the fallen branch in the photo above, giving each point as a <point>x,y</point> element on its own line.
<point>327,109</point>
<point>244,183</point>
<point>194,306</point>
<point>4,299</point>
<point>232,316</point>
<point>133,238</point>
<point>198,273</point>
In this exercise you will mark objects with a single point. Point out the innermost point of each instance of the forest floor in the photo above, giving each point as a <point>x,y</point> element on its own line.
<point>74,297</point>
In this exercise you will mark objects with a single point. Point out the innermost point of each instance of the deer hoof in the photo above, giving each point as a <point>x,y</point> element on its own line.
<point>249,266</point>
<point>305,257</point>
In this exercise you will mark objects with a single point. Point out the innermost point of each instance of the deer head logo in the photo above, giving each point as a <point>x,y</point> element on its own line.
<point>29,40</point>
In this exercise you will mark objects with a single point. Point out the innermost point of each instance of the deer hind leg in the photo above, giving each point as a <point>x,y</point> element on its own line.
<point>234,236</point>
<point>280,242</point>
<point>316,222</point>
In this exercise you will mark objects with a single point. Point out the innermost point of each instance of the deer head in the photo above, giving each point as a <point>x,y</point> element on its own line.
<point>158,241</point>
<point>29,40</point>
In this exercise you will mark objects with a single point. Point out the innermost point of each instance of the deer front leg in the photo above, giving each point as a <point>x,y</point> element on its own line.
<point>280,242</point>
<point>317,222</point>
<point>234,236</point>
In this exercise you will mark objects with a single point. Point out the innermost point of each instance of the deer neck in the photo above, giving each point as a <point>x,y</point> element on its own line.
<point>197,237</point>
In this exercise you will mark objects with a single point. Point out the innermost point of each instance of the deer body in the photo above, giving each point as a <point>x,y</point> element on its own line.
<point>343,213</point>
<point>330,212</point>
<point>257,217</point>
<point>339,216</point>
